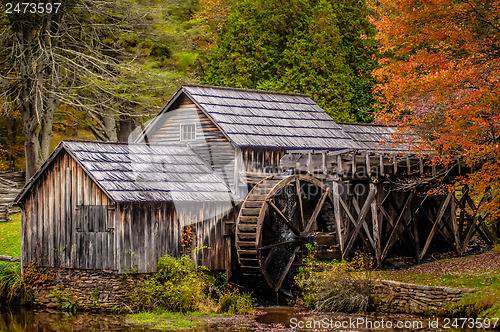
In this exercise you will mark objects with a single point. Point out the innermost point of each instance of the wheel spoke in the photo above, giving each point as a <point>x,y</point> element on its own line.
<point>278,244</point>
<point>317,210</point>
<point>278,211</point>
<point>287,268</point>
<point>299,197</point>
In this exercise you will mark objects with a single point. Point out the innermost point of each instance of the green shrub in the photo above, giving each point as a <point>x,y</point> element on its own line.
<point>236,303</point>
<point>66,301</point>
<point>179,285</point>
<point>341,286</point>
<point>16,288</point>
<point>10,280</point>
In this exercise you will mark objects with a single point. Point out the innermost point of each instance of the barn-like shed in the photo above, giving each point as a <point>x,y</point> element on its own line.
<point>121,207</point>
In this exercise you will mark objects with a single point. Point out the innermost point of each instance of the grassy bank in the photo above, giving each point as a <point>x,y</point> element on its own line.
<point>481,272</point>
<point>344,286</point>
<point>160,319</point>
<point>10,236</point>
<point>180,293</point>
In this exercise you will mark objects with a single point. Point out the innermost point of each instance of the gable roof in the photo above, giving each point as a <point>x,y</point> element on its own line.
<point>264,118</point>
<point>139,172</point>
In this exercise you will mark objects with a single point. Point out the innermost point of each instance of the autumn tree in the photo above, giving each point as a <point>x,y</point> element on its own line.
<point>323,48</point>
<point>440,76</point>
<point>108,61</point>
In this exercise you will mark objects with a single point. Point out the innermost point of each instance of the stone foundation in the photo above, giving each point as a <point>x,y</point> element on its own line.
<point>393,296</point>
<point>86,289</point>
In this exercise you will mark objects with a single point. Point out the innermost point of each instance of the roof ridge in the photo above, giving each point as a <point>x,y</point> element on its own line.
<point>247,90</point>
<point>366,124</point>
<point>125,143</point>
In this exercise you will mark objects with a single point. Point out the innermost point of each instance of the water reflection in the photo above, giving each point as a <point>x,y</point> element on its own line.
<point>268,319</point>
<point>21,320</point>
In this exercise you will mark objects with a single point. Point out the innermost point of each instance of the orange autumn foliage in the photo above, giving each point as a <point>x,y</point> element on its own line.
<point>440,75</point>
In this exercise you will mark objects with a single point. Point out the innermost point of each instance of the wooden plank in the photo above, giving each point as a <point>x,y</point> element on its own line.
<point>381,165</point>
<point>454,223</point>
<point>376,226</point>
<point>340,169</point>
<point>51,219</point>
<point>367,164</point>
<point>353,164</point>
<point>70,211</point>
<point>336,210</point>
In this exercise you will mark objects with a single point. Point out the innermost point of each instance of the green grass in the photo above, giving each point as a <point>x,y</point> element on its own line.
<point>10,236</point>
<point>448,280</point>
<point>483,303</point>
<point>160,319</point>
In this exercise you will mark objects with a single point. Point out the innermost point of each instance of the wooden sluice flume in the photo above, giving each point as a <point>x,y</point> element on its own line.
<point>382,199</point>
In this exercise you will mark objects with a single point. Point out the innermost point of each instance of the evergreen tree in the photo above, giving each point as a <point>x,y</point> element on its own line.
<point>323,48</point>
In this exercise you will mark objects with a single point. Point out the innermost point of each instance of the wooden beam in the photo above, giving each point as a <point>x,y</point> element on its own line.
<point>454,223</point>
<point>360,219</point>
<point>317,210</point>
<point>368,165</point>
<point>278,211</point>
<point>381,163</point>
<point>396,226</point>
<point>340,168</point>
<point>287,268</point>
<point>337,212</point>
<point>436,224</point>
<point>323,166</point>
<point>376,226</point>
<point>365,225</point>
<point>353,164</point>
<point>450,242</point>
<point>299,197</point>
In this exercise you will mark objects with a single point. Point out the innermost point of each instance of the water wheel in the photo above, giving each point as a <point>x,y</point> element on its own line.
<point>277,219</point>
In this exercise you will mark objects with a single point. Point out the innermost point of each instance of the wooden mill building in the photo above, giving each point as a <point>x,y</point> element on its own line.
<point>121,207</point>
<point>252,177</point>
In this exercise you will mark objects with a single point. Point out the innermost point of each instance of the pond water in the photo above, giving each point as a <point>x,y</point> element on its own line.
<point>267,319</point>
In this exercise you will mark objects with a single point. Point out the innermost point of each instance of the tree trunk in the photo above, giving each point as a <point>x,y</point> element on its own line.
<point>126,126</point>
<point>45,134</point>
<point>109,122</point>
<point>37,112</point>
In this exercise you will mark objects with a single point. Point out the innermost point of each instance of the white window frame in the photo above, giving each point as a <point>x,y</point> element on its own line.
<point>182,132</point>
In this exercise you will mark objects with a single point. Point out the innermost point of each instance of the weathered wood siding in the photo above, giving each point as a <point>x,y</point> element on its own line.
<point>262,159</point>
<point>147,231</point>
<point>67,221</point>
<point>210,143</point>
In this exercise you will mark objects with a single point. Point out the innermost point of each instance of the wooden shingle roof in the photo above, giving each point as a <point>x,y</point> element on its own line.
<point>139,173</point>
<point>382,138</point>
<point>267,119</point>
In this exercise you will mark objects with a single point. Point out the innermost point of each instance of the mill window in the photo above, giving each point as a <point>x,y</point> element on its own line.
<point>188,132</point>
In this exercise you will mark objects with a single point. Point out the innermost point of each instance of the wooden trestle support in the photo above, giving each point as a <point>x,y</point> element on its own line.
<point>349,201</point>
<point>375,208</point>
